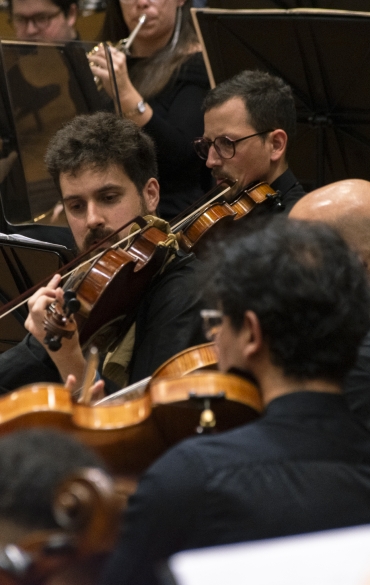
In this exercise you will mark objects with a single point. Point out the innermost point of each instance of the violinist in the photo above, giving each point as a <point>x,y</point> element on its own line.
<point>291,320</point>
<point>249,126</point>
<point>106,170</point>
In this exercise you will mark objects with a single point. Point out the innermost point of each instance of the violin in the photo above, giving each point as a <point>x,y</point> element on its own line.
<point>221,212</point>
<point>87,508</point>
<point>130,432</point>
<point>121,430</point>
<point>206,401</point>
<point>104,313</point>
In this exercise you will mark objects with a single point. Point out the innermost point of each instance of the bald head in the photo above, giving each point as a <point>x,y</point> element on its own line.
<point>344,205</point>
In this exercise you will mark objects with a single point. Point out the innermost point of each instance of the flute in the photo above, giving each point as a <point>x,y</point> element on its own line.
<point>125,44</point>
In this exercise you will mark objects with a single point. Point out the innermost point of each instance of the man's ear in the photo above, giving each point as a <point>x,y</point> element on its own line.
<point>279,142</point>
<point>72,15</point>
<point>151,195</point>
<point>253,338</point>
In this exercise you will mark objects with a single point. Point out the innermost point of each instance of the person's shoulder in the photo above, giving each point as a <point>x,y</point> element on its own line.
<point>183,265</point>
<point>193,70</point>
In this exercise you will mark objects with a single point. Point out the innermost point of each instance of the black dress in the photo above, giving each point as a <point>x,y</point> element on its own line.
<point>178,119</point>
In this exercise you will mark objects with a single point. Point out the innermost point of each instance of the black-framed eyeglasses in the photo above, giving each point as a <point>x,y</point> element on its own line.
<point>40,20</point>
<point>211,321</point>
<point>224,146</point>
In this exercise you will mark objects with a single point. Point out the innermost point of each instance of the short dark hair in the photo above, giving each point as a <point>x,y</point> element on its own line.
<point>101,140</point>
<point>268,99</point>
<point>308,289</point>
<point>64,5</point>
<point>33,463</point>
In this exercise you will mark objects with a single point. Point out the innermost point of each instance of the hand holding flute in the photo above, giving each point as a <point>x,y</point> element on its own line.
<point>132,103</point>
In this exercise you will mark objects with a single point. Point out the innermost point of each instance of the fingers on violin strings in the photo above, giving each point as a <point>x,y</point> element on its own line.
<point>70,383</point>
<point>48,292</point>
<point>96,392</point>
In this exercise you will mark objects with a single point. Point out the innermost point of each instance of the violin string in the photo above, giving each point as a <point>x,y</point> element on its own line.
<point>201,208</point>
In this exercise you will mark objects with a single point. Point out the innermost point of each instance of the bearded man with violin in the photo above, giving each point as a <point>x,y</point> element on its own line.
<point>105,168</point>
<point>292,321</point>
<point>249,125</point>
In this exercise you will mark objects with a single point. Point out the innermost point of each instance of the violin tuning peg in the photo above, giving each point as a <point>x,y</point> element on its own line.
<point>54,344</point>
<point>68,295</point>
<point>71,304</point>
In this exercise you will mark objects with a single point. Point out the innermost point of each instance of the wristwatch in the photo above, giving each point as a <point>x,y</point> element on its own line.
<point>140,109</point>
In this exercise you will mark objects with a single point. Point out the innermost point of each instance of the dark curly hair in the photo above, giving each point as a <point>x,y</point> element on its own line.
<point>309,291</point>
<point>98,141</point>
<point>33,463</point>
<point>267,98</point>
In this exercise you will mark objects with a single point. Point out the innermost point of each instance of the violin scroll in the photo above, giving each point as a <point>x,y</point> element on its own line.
<point>58,322</point>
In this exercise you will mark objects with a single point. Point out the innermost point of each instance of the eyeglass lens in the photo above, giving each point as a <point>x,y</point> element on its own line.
<point>211,320</point>
<point>224,147</point>
<point>39,20</point>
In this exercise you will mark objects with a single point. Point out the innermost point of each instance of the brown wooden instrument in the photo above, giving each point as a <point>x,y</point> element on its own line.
<point>220,213</point>
<point>109,291</point>
<point>130,434</point>
<point>87,508</point>
<point>201,402</point>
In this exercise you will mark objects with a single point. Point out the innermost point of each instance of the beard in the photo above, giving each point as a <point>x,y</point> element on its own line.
<point>97,234</point>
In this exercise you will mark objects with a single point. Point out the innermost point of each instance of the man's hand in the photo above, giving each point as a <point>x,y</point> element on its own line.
<point>69,358</point>
<point>38,304</point>
<point>95,393</point>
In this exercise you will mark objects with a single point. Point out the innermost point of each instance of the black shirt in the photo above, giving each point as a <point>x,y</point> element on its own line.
<point>304,466</point>
<point>167,322</point>
<point>290,189</point>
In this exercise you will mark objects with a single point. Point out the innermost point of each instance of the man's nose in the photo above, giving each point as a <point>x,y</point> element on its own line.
<point>94,218</point>
<point>213,159</point>
<point>31,29</point>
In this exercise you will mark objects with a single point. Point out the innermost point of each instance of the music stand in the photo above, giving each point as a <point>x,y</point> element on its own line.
<point>23,263</point>
<point>43,86</point>
<point>325,57</point>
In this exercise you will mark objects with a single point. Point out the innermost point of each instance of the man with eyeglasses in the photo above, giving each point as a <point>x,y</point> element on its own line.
<point>249,123</point>
<point>44,20</point>
<point>290,320</point>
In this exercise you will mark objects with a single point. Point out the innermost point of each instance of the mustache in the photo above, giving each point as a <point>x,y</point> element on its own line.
<point>216,174</point>
<point>95,235</point>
